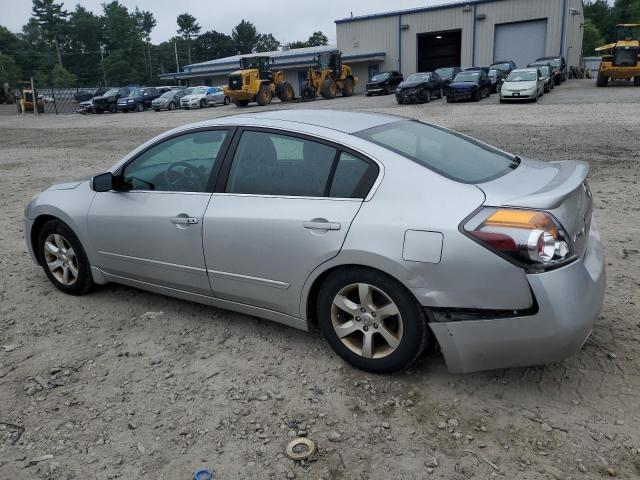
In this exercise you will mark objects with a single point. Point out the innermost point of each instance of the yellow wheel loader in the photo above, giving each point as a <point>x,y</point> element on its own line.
<point>26,100</point>
<point>257,82</point>
<point>621,60</point>
<point>328,78</point>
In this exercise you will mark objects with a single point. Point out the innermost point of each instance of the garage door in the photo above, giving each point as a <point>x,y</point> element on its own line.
<point>522,42</point>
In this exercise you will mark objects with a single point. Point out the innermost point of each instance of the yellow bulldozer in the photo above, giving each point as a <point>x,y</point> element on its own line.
<point>621,60</point>
<point>257,82</point>
<point>328,78</point>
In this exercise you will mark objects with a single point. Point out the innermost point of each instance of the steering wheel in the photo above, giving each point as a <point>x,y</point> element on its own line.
<point>189,179</point>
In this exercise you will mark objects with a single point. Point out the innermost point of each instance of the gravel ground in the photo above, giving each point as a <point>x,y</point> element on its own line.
<point>127,384</point>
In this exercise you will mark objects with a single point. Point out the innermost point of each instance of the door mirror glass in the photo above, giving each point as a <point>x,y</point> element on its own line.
<point>103,182</point>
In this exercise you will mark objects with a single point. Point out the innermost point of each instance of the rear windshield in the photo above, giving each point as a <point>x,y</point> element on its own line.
<point>448,153</point>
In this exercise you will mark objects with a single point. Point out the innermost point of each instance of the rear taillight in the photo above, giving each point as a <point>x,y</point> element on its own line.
<point>531,239</point>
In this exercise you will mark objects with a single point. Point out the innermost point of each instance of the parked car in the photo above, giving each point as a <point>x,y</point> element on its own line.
<point>559,65</point>
<point>170,99</point>
<point>505,66</point>
<point>523,84</point>
<point>447,74</point>
<point>200,97</point>
<point>86,95</point>
<point>497,257</point>
<point>138,100</point>
<point>383,83</point>
<point>419,87</point>
<point>547,74</point>
<point>109,101</point>
<point>218,97</point>
<point>469,85</point>
<point>497,79</point>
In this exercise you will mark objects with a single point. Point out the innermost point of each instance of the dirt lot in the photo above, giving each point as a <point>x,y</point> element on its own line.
<point>127,384</point>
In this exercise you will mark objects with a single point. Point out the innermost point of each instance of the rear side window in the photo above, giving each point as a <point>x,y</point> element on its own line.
<point>447,153</point>
<point>352,177</point>
<point>273,164</point>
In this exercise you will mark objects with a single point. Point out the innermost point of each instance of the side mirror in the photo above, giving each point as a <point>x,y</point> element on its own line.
<point>103,182</point>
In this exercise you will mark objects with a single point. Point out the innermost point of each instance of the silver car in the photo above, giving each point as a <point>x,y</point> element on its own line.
<point>385,231</point>
<point>523,84</point>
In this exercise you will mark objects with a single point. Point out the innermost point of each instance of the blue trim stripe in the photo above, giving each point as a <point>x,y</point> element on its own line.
<point>475,26</point>
<point>415,10</point>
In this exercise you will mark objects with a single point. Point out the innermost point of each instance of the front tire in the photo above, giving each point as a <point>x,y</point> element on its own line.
<point>371,320</point>
<point>63,259</point>
<point>329,89</point>
<point>347,87</point>
<point>264,95</point>
<point>602,80</point>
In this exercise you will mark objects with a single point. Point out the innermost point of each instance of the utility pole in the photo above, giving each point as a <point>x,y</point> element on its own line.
<point>175,46</point>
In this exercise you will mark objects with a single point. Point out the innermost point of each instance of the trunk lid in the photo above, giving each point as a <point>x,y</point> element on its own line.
<point>560,188</point>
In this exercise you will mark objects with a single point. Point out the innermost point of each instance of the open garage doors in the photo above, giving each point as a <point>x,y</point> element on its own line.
<point>439,49</point>
<point>522,42</point>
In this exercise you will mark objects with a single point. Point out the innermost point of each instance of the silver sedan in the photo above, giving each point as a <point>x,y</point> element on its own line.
<point>387,232</point>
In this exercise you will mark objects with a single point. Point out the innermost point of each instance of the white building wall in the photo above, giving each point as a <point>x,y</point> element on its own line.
<point>374,35</point>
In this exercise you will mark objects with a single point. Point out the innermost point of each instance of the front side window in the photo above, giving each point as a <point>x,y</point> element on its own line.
<point>179,164</point>
<point>274,164</point>
<point>445,152</point>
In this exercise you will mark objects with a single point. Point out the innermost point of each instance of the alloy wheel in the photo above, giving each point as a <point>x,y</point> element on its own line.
<point>61,259</point>
<point>366,320</point>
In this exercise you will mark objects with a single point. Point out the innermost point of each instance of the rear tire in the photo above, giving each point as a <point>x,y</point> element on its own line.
<point>347,87</point>
<point>287,94</point>
<point>72,255</point>
<point>240,103</point>
<point>602,80</point>
<point>385,343</point>
<point>226,100</point>
<point>329,89</point>
<point>139,107</point>
<point>636,81</point>
<point>264,95</point>
<point>307,93</point>
<point>427,96</point>
<point>477,95</point>
<point>172,106</point>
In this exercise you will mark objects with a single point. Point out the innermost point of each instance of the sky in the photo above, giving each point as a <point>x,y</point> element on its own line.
<point>287,20</point>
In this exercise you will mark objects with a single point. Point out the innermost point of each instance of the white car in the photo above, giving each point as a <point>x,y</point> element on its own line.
<point>200,97</point>
<point>523,84</point>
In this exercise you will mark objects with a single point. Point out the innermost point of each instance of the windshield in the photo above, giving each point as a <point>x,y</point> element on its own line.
<point>445,72</point>
<point>168,94</point>
<point>501,66</point>
<point>379,77</point>
<point>417,77</point>
<point>467,77</point>
<point>134,93</point>
<point>111,93</point>
<point>199,90</point>
<point>493,73</point>
<point>527,76</point>
<point>546,71</point>
<point>446,152</point>
<point>631,32</point>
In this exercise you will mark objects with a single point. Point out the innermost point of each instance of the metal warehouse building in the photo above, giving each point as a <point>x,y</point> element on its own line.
<point>470,33</point>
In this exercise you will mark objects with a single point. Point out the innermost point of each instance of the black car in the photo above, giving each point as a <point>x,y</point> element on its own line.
<point>447,74</point>
<point>85,95</point>
<point>497,79</point>
<point>559,65</point>
<point>383,83</point>
<point>469,84</point>
<point>109,101</point>
<point>505,66</point>
<point>138,100</point>
<point>419,87</point>
<point>547,71</point>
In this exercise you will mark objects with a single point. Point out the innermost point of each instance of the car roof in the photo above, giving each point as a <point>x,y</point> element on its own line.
<point>340,120</point>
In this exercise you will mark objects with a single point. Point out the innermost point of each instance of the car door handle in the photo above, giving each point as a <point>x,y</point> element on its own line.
<point>321,225</point>
<point>184,220</point>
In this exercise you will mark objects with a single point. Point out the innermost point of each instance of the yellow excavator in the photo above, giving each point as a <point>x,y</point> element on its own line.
<point>328,78</point>
<point>622,60</point>
<point>257,82</point>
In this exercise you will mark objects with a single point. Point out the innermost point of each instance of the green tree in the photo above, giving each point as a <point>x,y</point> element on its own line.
<point>245,37</point>
<point>52,20</point>
<point>626,11</point>
<point>298,44</point>
<point>592,38</point>
<point>118,69</point>
<point>146,24</point>
<point>266,43</point>
<point>9,71</point>
<point>62,78</point>
<point>211,45</point>
<point>85,42</point>
<point>317,39</point>
<point>188,28</point>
